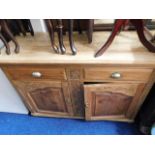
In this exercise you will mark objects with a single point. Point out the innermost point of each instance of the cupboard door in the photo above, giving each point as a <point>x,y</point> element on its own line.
<point>111,101</point>
<point>46,97</point>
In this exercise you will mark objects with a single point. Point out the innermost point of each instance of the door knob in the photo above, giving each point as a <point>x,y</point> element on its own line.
<point>36,74</point>
<point>116,75</point>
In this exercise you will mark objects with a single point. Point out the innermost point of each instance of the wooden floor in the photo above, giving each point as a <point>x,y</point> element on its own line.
<point>126,49</point>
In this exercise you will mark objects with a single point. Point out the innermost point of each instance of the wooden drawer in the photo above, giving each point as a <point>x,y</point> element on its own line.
<point>119,73</point>
<point>34,73</point>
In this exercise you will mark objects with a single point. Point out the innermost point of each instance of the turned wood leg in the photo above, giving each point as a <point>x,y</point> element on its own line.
<point>117,27</point>
<point>51,34</point>
<point>60,35</point>
<point>71,23</point>
<point>139,25</point>
<point>20,24</point>
<point>6,29</point>
<point>90,30</point>
<point>5,44</point>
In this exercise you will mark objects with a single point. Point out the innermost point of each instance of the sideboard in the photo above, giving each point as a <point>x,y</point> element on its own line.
<point>111,87</point>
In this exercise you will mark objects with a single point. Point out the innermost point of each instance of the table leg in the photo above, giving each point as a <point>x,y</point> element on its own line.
<point>60,35</point>
<point>6,29</point>
<point>139,25</point>
<point>117,27</point>
<point>71,24</point>
<point>51,34</point>
<point>5,44</point>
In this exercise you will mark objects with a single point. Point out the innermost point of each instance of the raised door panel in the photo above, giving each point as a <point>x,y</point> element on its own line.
<point>49,98</point>
<point>111,101</point>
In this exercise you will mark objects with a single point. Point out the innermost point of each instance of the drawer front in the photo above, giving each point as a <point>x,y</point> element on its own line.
<point>109,73</point>
<point>34,73</point>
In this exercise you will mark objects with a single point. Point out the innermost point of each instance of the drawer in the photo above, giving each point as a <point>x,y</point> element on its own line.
<point>109,73</point>
<point>32,73</point>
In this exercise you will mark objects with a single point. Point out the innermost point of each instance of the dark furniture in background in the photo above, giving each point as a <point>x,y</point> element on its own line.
<point>88,25</point>
<point>146,115</point>
<point>9,28</point>
<point>150,24</point>
<point>141,29</point>
<point>7,35</point>
<point>68,25</point>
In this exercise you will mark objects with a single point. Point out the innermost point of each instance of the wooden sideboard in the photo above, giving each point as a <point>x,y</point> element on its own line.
<point>111,87</point>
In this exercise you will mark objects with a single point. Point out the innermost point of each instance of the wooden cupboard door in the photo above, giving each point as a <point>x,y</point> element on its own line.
<point>46,97</point>
<point>111,101</point>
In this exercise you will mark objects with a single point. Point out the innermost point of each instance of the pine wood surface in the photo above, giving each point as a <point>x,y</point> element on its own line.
<point>125,50</point>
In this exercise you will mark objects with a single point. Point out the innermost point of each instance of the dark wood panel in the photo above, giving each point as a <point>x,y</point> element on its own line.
<point>77,96</point>
<point>46,97</point>
<point>50,99</point>
<point>111,100</point>
<point>109,103</point>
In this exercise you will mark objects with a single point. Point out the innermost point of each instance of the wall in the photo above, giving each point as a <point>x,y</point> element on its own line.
<point>38,25</point>
<point>9,98</point>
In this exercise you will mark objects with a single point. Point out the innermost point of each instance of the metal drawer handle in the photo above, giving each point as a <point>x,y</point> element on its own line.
<point>116,75</point>
<point>36,74</point>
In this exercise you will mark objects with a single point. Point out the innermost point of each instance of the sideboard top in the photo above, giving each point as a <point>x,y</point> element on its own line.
<point>125,50</point>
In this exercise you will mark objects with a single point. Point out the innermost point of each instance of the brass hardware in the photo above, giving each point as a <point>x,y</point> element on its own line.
<point>116,75</point>
<point>36,74</point>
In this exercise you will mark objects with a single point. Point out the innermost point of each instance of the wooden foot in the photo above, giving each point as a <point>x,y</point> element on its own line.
<point>60,36</point>
<point>51,34</point>
<point>71,23</point>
